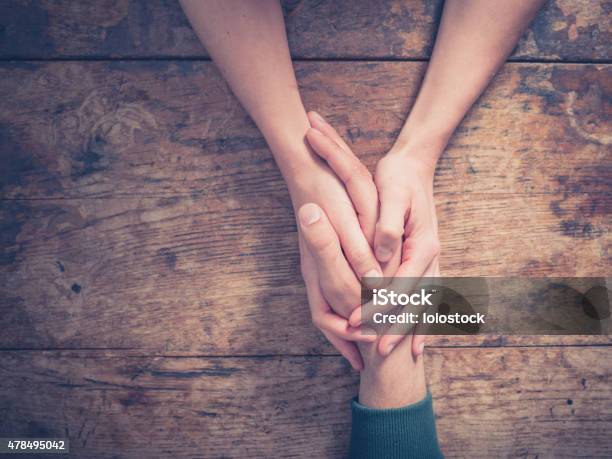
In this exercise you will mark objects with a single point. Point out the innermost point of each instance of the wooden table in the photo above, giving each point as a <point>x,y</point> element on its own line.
<point>151,303</point>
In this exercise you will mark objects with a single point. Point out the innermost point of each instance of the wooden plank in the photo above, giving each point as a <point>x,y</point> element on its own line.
<point>168,128</point>
<point>544,402</point>
<point>575,30</point>
<point>216,275</point>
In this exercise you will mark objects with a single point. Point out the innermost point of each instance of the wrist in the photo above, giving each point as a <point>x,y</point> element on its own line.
<point>296,162</point>
<point>422,145</point>
<point>286,138</point>
<point>393,390</point>
<point>393,381</point>
<point>419,158</point>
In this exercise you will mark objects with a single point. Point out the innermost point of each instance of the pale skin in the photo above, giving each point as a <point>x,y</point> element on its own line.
<point>383,225</point>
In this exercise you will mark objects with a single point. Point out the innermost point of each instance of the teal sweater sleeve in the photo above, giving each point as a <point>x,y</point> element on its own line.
<point>407,432</point>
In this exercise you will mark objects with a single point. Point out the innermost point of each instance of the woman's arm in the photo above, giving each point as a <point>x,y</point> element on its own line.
<point>474,39</point>
<point>247,41</point>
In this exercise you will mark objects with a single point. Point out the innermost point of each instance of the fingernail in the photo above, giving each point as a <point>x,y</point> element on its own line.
<point>318,117</point>
<point>309,214</point>
<point>383,253</point>
<point>389,349</point>
<point>372,278</point>
<point>421,348</point>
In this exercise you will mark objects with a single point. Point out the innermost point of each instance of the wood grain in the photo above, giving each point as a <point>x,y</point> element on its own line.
<point>575,30</point>
<point>218,275</point>
<point>129,232</point>
<point>545,402</point>
<point>131,191</point>
<point>166,128</point>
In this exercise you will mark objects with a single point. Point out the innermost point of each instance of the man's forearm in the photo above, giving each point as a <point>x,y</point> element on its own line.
<point>393,381</point>
<point>474,40</point>
<point>393,417</point>
<point>248,43</point>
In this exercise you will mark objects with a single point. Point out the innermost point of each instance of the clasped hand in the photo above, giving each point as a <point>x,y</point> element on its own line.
<point>353,225</point>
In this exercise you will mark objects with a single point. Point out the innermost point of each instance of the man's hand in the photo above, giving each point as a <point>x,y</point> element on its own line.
<point>336,225</point>
<point>330,280</point>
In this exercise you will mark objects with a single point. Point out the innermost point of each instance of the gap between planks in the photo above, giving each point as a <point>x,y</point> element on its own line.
<point>139,352</point>
<point>373,59</point>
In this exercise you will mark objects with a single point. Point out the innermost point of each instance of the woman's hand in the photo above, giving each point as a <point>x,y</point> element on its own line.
<point>407,224</point>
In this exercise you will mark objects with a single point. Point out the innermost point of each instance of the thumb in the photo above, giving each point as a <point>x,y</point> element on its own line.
<point>319,234</point>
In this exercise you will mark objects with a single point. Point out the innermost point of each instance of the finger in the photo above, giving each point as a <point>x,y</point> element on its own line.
<point>392,337</point>
<point>390,267</point>
<point>319,235</point>
<point>360,315</point>
<point>397,332</point>
<point>398,284</point>
<point>338,283</point>
<point>417,255</point>
<point>394,209</point>
<point>420,252</point>
<point>324,243</point>
<point>356,247</point>
<point>418,339</point>
<point>348,350</point>
<point>340,327</point>
<point>325,319</point>
<point>355,176</point>
<point>418,345</point>
<point>421,245</point>
<point>332,323</point>
<point>318,122</point>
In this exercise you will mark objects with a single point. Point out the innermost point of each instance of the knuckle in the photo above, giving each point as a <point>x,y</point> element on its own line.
<point>362,171</point>
<point>357,173</point>
<point>388,231</point>
<point>320,242</point>
<point>337,295</point>
<point>343,297</point>
<point>361,258</point>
